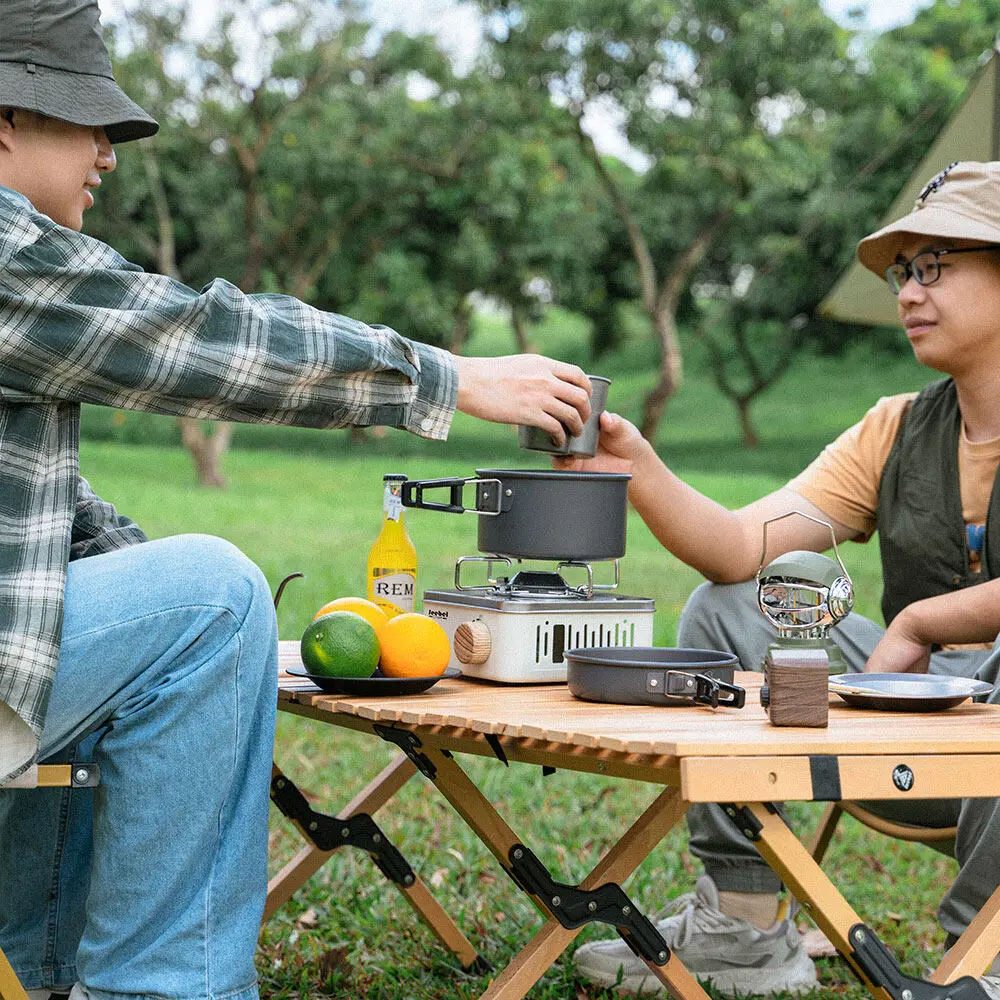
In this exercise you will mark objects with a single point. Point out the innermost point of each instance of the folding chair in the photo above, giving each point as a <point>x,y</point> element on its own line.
<point>901,831</point>
<point>78,775</point>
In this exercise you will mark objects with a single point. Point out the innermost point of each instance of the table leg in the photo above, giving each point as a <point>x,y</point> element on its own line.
<point>975,950</point>
<point>810,885</point>
<point>311,858</point>
<point>619,862</point>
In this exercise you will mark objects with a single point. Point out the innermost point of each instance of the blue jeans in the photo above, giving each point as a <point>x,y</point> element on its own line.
<point>152,884</point>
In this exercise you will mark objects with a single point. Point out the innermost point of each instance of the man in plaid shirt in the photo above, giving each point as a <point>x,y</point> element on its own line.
<point>156,659</point>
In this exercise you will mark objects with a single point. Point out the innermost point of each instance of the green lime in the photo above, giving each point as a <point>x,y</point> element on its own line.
<point>340,644</point>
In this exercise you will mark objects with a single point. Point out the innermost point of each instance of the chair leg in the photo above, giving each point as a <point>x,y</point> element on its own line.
<point>824,832</point>
<point>10,985</point>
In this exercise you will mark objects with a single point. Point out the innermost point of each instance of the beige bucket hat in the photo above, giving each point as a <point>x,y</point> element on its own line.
<point>962,202</point>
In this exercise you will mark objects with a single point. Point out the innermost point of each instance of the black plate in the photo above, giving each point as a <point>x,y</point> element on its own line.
<point>907,692</point>
<point>367,687</point>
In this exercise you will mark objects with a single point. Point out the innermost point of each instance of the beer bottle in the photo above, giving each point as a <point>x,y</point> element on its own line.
<point>392,560</point>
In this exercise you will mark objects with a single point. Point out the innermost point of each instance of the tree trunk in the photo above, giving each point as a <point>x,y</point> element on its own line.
<point>521,332</point>
<point>205,449</point>
<point>206,452</point>
<point>748,432</point>
<point>461,327</point>
<point>671,373</point>
<point>664,319</point>
<point>660,297</point>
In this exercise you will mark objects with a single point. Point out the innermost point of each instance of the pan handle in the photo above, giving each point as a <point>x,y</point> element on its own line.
<point>412,495</point>
<point>699,688</point>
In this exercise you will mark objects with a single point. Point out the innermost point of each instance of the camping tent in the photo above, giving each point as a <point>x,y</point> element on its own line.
<point>972,133</point>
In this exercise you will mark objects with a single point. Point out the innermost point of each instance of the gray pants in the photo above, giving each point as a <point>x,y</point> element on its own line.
<point>726,617</point>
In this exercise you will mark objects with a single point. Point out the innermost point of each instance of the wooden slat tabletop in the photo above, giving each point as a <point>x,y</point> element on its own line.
<point>549,712</point>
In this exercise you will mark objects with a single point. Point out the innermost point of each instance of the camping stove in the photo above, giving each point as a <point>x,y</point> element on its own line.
<point>516,629</point>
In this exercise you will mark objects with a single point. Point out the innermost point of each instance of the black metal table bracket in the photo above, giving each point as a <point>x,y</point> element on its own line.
<point>497,747</point>
<point>880,966</point>
<point>744,819</point>
<point>328,833</point>
<point>573,907</point>
<point>410,744</point>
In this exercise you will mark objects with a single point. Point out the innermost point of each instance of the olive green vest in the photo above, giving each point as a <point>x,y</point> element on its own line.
<point>919,518</point>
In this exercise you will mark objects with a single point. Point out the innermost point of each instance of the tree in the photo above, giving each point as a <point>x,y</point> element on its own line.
<point>277,182</point>
<point>709,91</point>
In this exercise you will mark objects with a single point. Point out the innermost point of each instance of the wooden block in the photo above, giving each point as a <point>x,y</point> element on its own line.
<point>798,687</point>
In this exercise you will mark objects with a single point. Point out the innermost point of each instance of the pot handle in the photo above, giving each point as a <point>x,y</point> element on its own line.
<point>412,495</point>
<point>417,486</point>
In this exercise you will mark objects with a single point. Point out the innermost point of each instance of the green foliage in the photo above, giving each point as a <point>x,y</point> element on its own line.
<point>327,179</point>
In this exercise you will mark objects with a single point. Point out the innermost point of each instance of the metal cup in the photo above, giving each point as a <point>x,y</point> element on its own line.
<point>584,444</point>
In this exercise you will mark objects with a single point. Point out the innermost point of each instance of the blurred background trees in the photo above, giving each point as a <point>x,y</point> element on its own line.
<point>363,173</point>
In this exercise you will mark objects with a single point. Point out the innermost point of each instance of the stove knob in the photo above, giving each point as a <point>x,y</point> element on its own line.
<point>472,642</point>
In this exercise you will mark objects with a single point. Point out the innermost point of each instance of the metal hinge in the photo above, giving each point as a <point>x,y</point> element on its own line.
<point>497,747</point>
<point>748,824</point>
<point>880,966</point>
<point>574,907</point>
<point>410,744</point>
<point>328,833</point>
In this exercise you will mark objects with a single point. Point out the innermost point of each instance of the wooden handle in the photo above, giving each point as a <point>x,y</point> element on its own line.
<point>473,643</point>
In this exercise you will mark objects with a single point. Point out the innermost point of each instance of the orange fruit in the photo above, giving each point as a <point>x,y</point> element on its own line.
<point>368,610</point>
<point>340,644</point>
<point>414,646</point>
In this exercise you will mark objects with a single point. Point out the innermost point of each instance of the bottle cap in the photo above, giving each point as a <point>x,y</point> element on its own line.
<point>394,477</point>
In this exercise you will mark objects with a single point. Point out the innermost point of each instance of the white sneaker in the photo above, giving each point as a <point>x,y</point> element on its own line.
<point>736,956</point>
<point>991,984</point>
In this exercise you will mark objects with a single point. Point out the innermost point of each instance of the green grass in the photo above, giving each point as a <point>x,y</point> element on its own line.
<point>314,507</point>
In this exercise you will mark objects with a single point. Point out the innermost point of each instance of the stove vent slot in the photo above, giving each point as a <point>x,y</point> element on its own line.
<point>553,639</point>
<point>558,642</point>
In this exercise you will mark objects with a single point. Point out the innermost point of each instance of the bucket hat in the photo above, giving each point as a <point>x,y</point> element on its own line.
<point>962,202</point>
<point>53,61</point>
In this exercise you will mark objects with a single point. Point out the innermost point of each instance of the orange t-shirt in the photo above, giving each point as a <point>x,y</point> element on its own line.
<point>843,480</point>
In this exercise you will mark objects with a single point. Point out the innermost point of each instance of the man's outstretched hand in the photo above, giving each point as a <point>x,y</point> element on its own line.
<point>525,389</point>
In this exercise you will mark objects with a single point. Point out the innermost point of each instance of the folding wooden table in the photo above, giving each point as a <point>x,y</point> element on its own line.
<point>728,756</point>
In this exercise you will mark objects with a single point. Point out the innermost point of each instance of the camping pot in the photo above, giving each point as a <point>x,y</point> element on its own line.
<point>536,514</point>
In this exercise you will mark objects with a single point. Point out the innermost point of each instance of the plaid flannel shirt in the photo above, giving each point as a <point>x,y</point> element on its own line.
<point>78,323</point>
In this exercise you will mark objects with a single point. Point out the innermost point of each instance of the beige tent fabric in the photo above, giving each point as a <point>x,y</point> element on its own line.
<point>18,744</point>
<point>972,133</point>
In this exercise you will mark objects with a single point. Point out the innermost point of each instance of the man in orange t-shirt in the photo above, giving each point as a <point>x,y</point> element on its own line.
<point>920,468</point>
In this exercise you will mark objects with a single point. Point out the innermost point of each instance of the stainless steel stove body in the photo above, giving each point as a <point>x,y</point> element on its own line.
<point>517,630</point>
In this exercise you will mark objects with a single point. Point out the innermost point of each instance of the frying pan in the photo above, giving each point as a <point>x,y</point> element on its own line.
<point>649,675</point>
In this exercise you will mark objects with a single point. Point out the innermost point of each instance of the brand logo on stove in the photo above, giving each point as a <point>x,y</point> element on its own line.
<point>432,613</point>
<point>902,777</point>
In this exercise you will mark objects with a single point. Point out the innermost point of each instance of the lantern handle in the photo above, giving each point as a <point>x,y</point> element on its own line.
<point>808,517</point>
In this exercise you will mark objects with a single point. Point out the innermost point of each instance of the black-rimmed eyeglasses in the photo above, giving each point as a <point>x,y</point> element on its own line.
<point>925,266</point>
